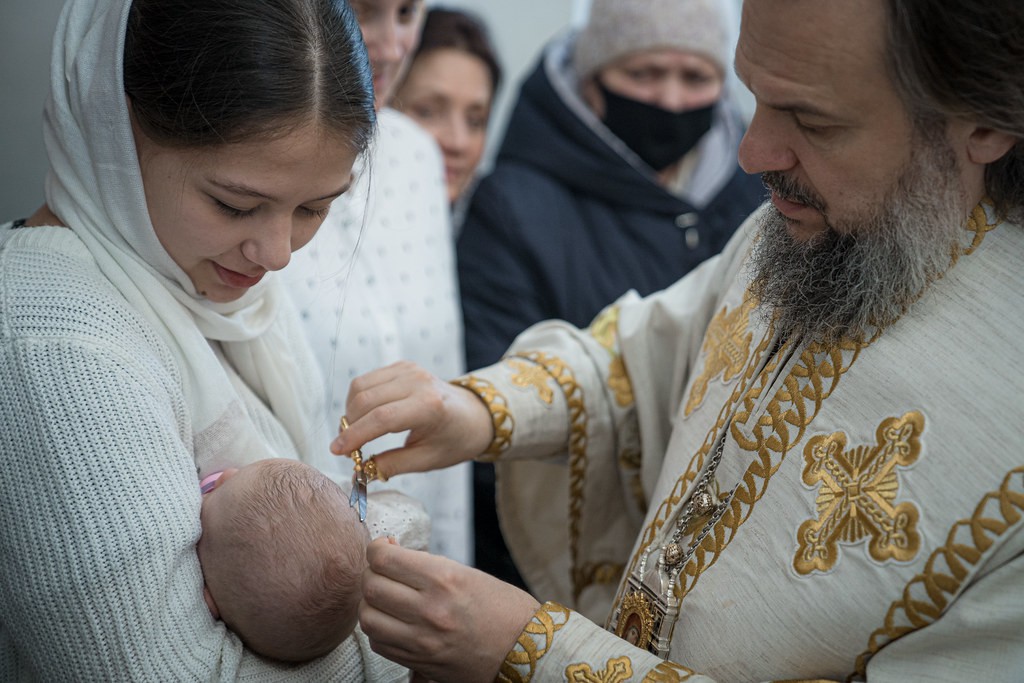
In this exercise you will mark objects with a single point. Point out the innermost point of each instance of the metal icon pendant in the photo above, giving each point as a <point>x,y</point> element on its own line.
<point>646,618</point>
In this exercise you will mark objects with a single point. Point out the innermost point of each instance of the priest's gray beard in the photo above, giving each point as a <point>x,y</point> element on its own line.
<point>868,267</point>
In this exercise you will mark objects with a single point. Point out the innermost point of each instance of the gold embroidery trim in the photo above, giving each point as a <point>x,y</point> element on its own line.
<point>563,376</point>
<point>619,382</point>
<point>501,416</point>
<point>618,670</point>
<point>978,223</point>
<point>533,643</point>
<point>605,329</point>
<point>855,501</point>
<point>697,461</point>
<point>792,409</point>
<point>928,594</point>
<point>726,349</point>
<point>529,375</point>
<point>667,672</point>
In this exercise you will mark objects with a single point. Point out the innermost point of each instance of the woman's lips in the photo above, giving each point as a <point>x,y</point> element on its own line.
<point>234,279</point>
<point>452,174</point>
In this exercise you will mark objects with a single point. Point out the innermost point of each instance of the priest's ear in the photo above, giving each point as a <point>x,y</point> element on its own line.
<point>986,145</point>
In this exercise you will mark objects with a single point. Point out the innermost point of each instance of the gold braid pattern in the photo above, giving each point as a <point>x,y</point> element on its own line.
<point>576,404</point>
<point>791,410</point>
<point>697,461</point>
<point>928,594</point>
<point>605,330</point>
<point>534,642</point>
<point>501,416</point>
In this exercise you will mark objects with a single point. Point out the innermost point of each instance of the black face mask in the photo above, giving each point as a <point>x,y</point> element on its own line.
<point>658,136</point>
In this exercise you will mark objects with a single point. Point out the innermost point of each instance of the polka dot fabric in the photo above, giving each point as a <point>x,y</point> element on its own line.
<point>377,284</point>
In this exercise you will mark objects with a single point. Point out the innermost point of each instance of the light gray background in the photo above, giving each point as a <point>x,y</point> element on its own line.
<point>519,28</point>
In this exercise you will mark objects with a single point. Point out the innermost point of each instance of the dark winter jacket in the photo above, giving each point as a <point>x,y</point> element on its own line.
<point>569,220</point>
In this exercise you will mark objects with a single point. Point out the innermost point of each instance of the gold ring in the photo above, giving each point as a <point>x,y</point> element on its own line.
<point>370,469</point>
<point>344,424</point>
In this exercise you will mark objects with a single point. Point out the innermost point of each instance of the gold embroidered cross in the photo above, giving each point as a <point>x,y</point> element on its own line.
<point>532,375</point>
<point>619,670</point>
<point>726,349</point>
<point>857,494</point>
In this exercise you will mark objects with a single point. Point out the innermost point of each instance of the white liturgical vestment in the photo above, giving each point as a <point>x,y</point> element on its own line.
<point>870,494</point>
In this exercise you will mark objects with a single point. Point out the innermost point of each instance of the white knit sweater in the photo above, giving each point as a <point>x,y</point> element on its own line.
<point>99,507</point>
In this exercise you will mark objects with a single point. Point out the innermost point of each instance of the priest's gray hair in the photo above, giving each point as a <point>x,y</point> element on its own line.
<point>963,60</point>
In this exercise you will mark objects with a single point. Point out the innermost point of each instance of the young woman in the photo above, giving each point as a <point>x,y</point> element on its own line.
<point>449,90</point>
<point>143,333</point>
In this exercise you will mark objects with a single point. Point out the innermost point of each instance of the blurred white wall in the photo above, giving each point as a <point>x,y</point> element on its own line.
<point>519,27</point>
<point>26,33</point>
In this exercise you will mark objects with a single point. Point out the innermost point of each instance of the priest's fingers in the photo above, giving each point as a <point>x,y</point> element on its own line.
<point>390,400</point>
<point>456,609</point>
<point>389,565</point>
<point>409,459</point>
<point>447,424</point>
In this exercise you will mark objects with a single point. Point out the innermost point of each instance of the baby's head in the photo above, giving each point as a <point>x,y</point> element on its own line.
<point>282,555</point>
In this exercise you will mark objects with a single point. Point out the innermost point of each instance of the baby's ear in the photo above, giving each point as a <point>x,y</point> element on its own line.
<point>210,604</point>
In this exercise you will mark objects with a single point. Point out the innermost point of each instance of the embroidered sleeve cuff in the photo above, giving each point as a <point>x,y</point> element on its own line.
<point>531,389</point>
<point>584,652</point>
<point>534,642</point>
<point>501,417</point>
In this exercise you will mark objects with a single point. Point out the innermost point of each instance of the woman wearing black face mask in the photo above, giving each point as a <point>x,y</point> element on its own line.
<point>618,171</point>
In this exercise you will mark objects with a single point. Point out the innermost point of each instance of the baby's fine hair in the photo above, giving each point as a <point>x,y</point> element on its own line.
<point>290,541</point>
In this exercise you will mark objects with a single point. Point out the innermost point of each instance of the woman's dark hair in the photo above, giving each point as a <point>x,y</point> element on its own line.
<point>458,30</point>
<point>963,59</point>
<point>210,72</point>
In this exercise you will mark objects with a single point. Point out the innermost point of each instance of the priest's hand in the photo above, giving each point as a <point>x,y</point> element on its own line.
<point>444,620</point>
<point>447,424</point>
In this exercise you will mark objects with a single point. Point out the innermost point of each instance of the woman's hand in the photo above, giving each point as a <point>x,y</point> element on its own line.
<point>444,620</point>
<point>447,424</point>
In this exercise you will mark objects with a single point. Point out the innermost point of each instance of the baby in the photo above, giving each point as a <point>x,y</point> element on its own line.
<point>283,553</point>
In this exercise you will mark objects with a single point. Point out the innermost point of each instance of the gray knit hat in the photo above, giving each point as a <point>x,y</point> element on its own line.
<point>618,27</point>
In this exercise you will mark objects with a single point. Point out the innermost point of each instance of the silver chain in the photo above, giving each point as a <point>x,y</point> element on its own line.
<point>672,557</point>
<point>702,487</point>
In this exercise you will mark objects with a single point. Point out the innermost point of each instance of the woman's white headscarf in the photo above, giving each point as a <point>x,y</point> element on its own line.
<point>95,187</point>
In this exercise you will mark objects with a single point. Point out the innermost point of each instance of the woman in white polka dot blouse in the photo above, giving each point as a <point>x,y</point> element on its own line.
<point>378,283</point>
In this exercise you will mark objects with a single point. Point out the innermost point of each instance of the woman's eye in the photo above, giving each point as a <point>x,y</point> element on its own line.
<point>639,75</point>
<point>315,213</point>
<point>408,11</point>
<point>424,112</point>
<point>232,211</point>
